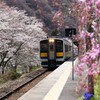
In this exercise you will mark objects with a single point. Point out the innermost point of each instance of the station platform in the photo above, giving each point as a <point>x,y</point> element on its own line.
<point>56,86</point>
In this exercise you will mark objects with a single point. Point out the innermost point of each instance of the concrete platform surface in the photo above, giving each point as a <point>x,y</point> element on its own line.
<point>68,92</point>
<point>56,86</point>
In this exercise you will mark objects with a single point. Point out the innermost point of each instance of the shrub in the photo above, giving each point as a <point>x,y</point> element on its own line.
<point>11,75</point>
<point>14,75</point>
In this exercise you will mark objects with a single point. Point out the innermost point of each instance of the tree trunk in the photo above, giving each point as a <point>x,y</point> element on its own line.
<point>3,70</point>
<point>30,68</point>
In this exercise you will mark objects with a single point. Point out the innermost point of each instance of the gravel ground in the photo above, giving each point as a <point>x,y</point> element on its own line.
<point>17,83</point>
<point>27,87</point>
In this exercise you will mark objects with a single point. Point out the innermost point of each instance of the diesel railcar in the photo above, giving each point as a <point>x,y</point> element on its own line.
<point>54,51</point>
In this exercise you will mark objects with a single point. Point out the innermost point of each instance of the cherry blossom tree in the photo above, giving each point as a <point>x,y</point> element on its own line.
<point>18,32</point>
<point>89,37</point>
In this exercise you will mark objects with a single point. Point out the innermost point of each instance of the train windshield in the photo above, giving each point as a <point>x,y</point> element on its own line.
<point>59,46</point>
<point>43,46</point>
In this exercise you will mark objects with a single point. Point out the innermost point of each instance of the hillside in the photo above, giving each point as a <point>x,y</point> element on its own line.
<point>30,6</point>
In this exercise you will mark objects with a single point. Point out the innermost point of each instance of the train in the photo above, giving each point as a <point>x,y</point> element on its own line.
<point>54,51</point>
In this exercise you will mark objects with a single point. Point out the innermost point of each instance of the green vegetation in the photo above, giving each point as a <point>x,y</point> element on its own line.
<point>11,75</point>
<point>87,99</point>
<point>54,32</point>
<point>14,75</point>
<point>36,68</point>
<point>96,91</point>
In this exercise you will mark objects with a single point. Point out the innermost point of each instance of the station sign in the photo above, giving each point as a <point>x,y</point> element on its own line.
<point>69,32</point>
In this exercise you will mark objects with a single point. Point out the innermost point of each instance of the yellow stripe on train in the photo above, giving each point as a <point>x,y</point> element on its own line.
<point>43,54</point>
<point>59,54</point>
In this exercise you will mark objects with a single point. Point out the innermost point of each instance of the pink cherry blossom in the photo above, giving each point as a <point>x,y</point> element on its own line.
<point>97,3</point>
<point>87,14</point>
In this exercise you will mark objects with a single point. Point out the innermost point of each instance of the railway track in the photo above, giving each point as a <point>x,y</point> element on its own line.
<point>22,85</point>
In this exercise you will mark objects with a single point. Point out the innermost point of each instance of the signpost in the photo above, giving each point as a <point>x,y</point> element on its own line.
<point>68,33</point>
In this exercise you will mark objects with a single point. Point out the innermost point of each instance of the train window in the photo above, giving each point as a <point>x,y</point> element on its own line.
<point>66,48</point>
<point>43,46</point>
<point>58,41</point>
<point>70,48</point>
<point>59,46</point>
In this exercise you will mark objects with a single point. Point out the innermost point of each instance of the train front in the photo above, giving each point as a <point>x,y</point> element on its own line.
<point>51,52</point>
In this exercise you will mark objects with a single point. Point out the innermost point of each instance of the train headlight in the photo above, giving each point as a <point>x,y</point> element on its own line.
<point>51,40</point>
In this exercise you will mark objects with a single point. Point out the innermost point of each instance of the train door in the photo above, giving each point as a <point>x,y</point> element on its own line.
<point>51,53</point>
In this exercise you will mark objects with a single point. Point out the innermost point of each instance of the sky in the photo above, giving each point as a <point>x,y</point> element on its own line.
<point>81,0</point>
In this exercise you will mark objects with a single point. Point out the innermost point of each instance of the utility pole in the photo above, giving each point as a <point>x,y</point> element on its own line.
<point>72,58</point>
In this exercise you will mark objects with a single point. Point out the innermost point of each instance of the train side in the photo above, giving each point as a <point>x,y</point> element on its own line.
<point>54,51</point>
